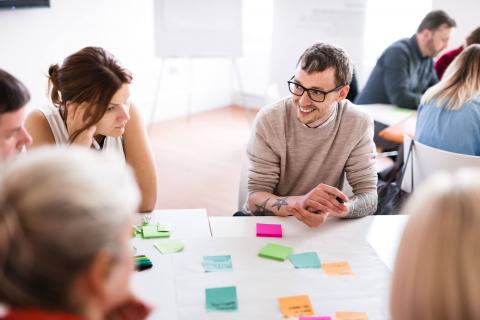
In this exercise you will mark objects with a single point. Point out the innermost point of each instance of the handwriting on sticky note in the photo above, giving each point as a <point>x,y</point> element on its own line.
<point>217,263</point>
<point>337,268</point>
<point>295,306</point>
<point>351,315</point>
<point>221,299</point>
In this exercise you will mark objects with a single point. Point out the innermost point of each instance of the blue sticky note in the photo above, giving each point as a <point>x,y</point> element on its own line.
<point>305,260</point>
<point>221,299</point>
<point>217,263</point>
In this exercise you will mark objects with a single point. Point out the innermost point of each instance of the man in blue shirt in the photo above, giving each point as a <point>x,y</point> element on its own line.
<point>405,69</point>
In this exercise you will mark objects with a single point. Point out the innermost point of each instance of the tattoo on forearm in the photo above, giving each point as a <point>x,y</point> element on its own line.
<point>262,209</point>
<point>280,203</point>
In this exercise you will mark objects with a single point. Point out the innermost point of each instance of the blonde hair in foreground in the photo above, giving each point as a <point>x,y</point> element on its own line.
<point>437,274</point>
<point>460,83</point>
<point>58,208</point>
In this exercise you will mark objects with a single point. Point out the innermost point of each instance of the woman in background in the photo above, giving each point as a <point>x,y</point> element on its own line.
<point>448,117</point>
<point>436,273</point>
<point>65,226</point>
<point>91,106</point>
<point>444,61</point>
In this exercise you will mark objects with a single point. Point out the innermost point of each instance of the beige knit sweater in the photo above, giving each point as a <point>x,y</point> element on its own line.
<point>286,158</point>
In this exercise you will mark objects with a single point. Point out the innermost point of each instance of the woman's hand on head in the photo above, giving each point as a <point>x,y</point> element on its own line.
<point>77,117</point>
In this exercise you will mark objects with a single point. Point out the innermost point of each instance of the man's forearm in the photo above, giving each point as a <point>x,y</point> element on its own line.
<point>263,203</point>
<point>362,204</point>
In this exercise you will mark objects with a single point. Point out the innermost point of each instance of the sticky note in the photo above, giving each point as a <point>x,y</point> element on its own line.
<point>169,246</point>
<point>151,231</point>
<point>337,268</point>
<point>217,263</point>
<point>269,230</point>
<point>351,316</point>
<point>315,318</point>
<point>305,260</point>
<point>275,251</point>
<point>295,306</point>
<point>221,299</point>
<point>164,227</point>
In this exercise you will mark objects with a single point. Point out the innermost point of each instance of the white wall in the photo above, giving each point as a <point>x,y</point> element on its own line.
<point>465,13</point>
<point>32,39</point>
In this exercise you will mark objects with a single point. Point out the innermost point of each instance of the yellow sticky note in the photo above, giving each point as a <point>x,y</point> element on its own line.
<point>337,268</point>
<point>295,306</point>
<point>351,316</point>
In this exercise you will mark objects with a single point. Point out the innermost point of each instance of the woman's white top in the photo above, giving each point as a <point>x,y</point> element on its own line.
<point>60,133</point>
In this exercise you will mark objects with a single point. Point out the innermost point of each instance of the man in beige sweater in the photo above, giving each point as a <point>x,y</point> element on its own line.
<point>303,146</point>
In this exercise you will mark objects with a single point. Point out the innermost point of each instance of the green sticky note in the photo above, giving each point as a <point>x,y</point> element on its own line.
<point>217,263</point>
<point>221,299</point>
<point>151,231</point>
<point>163,227</point>
<point>275,251</point>
<point>169,246</point>
<point>305,260</point>
<point>406,110</point>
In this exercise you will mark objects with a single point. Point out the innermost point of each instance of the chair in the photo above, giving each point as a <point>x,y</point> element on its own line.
<point>427,161</point>
<point>243,186</point>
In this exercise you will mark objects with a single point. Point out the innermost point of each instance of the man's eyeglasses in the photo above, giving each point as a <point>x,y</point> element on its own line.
<point>314,94</point>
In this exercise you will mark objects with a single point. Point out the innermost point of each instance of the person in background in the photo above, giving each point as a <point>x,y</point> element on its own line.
<point>436,271</point>
<point>449,115</point>
<point>13,98</point>
<point>90,93</point>
<point>302,146</point>
<point>405,70</point>
<point>444,61</point>
<point>65,228</point>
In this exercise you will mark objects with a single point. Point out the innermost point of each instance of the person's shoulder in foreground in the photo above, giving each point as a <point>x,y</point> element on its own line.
<point>435,278</point>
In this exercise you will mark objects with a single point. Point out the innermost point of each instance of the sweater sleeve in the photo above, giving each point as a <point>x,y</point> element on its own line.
<point>362,175</point>
<point>397,79</point>
<point>264,162</point>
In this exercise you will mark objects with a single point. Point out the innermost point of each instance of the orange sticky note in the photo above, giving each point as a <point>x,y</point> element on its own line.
<point>351,316</point>
<point>337,268</point>
<point>295,306</point>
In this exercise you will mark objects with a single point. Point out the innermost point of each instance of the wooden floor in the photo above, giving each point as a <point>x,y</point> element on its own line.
<point>199,159</point>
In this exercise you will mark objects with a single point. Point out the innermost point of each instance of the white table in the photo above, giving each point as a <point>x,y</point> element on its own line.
<point>156,286</point>
<point>185,223</point>
<point>386,113</point>
<point>382,232</point>
<point>176,284</point>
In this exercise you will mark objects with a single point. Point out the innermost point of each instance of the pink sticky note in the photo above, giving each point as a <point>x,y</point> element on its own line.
<point>315,318</point>
<point>269,230</point>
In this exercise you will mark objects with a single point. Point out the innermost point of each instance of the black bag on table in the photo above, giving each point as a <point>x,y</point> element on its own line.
<point>390,195</point>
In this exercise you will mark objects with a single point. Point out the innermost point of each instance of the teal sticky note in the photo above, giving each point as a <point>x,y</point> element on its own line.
<point>275,251</point>
<point>151,231</point>
<point>217,263</point>
<point>169,246</point>
<point>305,260</point>
<point>221,299</point>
